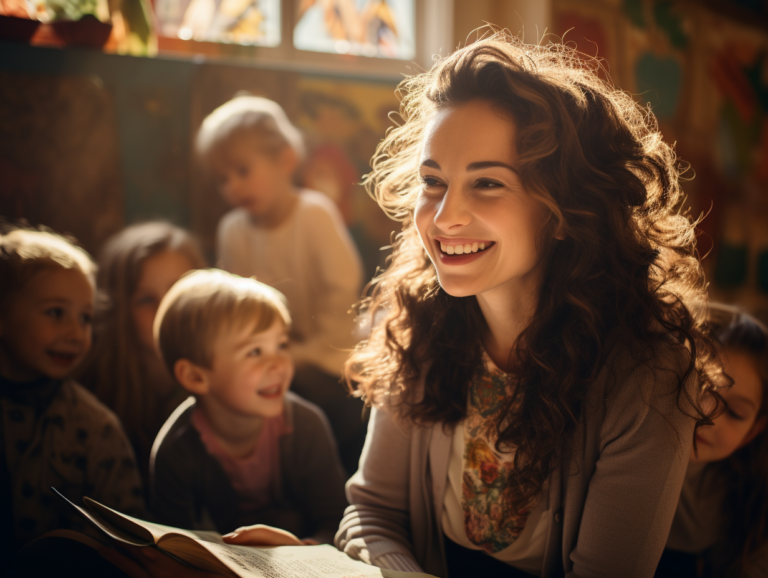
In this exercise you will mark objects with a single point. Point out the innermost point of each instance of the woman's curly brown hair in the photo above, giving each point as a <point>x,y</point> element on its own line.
<point>628,261</point>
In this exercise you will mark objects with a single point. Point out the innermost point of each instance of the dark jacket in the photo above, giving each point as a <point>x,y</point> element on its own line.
<point>189,488</point>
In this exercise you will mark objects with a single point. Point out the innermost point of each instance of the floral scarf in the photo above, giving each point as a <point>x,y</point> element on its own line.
<point>488,480</point>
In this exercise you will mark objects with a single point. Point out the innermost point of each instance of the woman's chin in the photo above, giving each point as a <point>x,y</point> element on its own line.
<point>457,288</point>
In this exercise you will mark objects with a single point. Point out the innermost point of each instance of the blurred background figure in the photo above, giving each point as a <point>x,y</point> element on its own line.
<point>719,527</point>
<point>136,268</point>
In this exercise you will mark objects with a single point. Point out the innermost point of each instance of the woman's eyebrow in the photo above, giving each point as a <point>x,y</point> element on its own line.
<point>430,163</point>
<point>489,164</point>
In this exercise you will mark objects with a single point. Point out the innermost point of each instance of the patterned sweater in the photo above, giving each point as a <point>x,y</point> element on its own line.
<point>55,433</point>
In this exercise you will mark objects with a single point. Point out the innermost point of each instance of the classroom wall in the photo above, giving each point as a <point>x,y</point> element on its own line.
<point>93,141</point>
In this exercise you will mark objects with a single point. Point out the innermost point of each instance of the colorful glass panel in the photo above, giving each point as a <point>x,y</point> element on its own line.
<point>378,28</point>
<point>231,21</point>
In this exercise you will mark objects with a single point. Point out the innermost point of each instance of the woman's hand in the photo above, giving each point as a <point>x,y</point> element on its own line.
<point>261,535</point>
<point>149,563</point>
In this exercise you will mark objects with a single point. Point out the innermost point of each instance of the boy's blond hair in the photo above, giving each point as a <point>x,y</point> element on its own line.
<point>205,303</point>
<point>26,252</point>
<point>254,116</point>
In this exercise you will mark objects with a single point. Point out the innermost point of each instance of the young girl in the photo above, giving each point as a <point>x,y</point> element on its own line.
<point>720,522</point>
<point>52,431</point>
<point>137,267</point>
<point>536,377</point>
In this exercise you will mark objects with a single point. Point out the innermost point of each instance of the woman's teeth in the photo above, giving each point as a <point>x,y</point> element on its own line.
<point>461,249</point>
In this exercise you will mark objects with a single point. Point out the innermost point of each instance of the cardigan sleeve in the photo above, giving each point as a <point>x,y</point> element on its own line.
<point>645,442</point>
<point>376,526</point>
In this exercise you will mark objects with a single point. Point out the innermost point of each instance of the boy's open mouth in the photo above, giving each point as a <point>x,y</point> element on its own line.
<point>271,391</point>
<point>63,358</point>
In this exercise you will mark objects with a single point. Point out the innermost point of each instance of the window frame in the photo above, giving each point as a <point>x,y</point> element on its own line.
<point>433,35</point>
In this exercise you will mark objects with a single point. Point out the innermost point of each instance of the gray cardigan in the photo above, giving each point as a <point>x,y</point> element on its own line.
<point>612,499</point>
<point>191,490</point>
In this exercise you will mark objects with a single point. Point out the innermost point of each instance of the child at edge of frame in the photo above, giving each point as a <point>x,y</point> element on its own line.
<point>54,432</point>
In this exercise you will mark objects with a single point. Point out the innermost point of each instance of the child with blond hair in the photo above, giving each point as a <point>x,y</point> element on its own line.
<point>53,432</point>
<point>242,449</point>
<point>293,240</point>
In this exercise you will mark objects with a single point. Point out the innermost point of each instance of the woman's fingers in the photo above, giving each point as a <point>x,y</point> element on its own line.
<point>261,535</point>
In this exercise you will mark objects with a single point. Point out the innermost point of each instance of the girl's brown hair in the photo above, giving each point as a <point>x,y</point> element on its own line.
<point>745,472</point>
<point>116,370</point>
<point>628,262</point>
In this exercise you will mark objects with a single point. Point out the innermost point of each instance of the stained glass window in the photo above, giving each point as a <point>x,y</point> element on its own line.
<point>232,21</point>
<point>380,28</point>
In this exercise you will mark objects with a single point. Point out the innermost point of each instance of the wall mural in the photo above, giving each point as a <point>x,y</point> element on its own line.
<point>705,76</point>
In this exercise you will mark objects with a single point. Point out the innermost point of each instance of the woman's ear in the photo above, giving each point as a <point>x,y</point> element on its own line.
<point>192,377</point>
<point>757,428</point>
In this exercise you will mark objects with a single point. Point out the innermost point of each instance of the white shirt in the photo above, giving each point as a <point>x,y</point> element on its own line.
<point>311,259</point>
<point>527,552</point>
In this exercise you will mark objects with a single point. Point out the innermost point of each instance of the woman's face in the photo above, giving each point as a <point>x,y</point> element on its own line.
<point>158,274</point>
<point>480,227</point>
<point>739,424</point>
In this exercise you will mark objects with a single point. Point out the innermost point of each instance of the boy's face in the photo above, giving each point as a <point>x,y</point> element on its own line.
<point>251,371</point>
<point>46,328</point>
<point>251,179</point>
<point>739,423</point>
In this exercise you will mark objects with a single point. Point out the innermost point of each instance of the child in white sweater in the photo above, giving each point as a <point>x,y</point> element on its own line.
<point>293,240</point>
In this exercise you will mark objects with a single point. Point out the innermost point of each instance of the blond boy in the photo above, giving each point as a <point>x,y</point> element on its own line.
<point>293,240</point>
<point>242,449</point>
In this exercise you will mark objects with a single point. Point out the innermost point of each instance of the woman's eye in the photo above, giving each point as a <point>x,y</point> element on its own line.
<point>430,182</point>
<point>734,415</point>
<point>487,184</point>
<point>55,312</point>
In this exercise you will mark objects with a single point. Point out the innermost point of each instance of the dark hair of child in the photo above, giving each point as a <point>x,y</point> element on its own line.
<point>124,374</point>
<point>746,470</point>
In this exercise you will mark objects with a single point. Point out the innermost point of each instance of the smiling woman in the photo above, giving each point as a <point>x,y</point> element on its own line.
<point>534,322</point>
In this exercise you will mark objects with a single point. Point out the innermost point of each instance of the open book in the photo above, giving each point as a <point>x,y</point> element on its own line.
<point>207,551</point>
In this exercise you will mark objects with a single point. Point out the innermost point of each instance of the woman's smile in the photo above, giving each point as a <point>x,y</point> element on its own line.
<point>461,251</point>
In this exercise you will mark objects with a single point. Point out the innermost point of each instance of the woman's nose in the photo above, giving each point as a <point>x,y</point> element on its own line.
<point>453,210</point>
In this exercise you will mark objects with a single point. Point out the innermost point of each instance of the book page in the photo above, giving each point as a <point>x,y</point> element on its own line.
<point>111,529</point>
<point>157,531</point>
<point>290,561</point>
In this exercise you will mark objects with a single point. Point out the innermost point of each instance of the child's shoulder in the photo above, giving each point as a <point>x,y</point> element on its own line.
<point>313,204</point>
<point>305,416</point>
<point>84,406</point>
<point>177,431</point>
<point>234,219</point>
<point>78,415</point>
